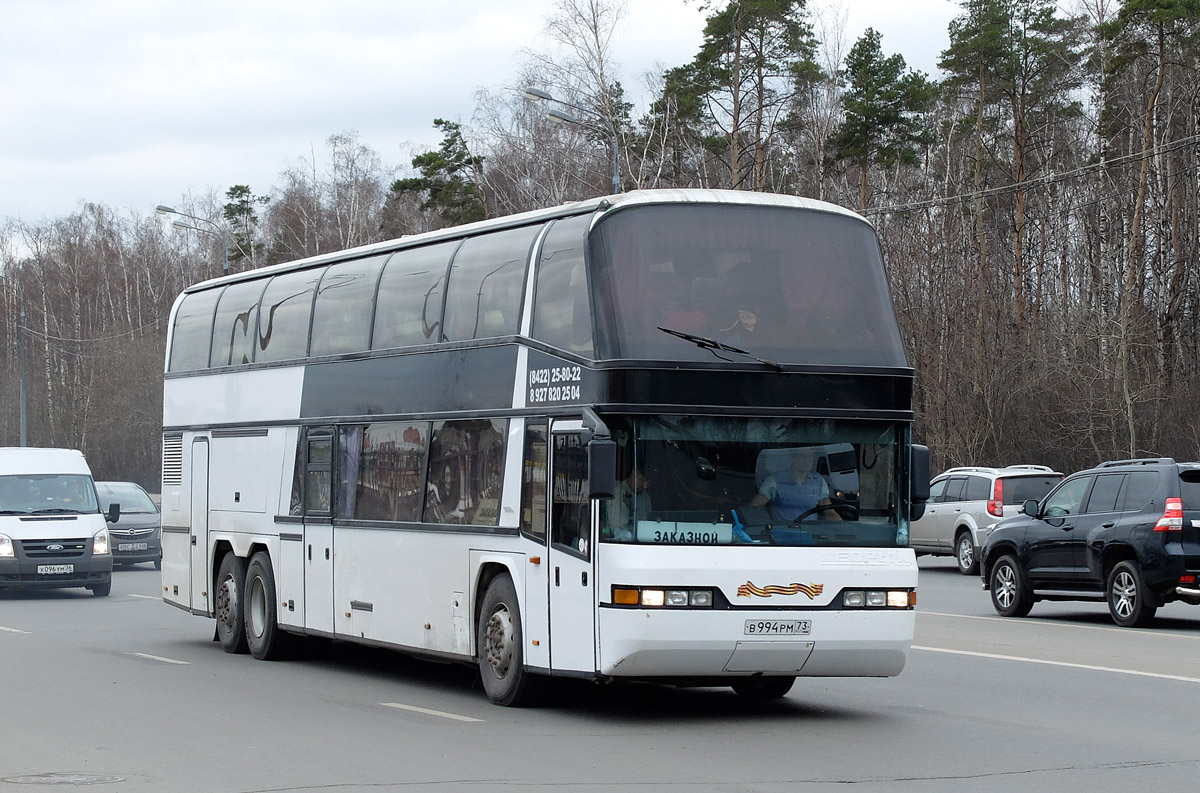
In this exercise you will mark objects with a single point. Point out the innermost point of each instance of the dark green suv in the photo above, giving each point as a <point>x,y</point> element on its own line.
<point>1127,532</point>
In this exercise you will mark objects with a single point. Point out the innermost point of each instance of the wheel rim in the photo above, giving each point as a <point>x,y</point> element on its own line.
<point>966,553</point>
<point>1124,594</point>
<point>1005,586</point>
<point>227,602</point>
<point>257,616</point>
<point>499,641</point>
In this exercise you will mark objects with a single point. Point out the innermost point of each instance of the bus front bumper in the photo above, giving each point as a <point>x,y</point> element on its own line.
<point>650,643</point>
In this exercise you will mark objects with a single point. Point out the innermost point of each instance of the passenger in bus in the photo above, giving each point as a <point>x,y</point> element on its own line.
<point>790,494</point>
<point>744,331</point>
<point>443,497</point>
<point>629,504</point>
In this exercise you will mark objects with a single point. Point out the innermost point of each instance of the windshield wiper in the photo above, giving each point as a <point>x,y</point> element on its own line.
<point>56,511</point>
<point>712,346</point>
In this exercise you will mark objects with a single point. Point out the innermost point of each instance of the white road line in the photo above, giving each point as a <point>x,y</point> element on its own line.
<point>12,630</point>
<point>1055,622</point>
<point>1027,660</point>
<point>145,597</point>
<point>160,658</point>
<point>428,712</point>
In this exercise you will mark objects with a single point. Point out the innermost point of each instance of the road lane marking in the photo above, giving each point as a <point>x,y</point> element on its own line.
<point>145,597</point>
<point>149,657</point>
<point>1025,659</point>
<point>12,630</point>
<point>428,712</point>
<point>1055,622</point>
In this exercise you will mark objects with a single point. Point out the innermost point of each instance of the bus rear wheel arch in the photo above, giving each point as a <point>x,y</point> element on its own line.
<point>500,646</point>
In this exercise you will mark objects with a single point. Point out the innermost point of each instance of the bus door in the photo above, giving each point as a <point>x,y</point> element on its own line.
<point>318,530</point>
<point>571,552</point>
<point>200,578</point>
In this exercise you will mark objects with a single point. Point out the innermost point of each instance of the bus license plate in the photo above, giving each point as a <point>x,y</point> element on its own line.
<point>778,627</point>
<point>55,569</point>
<point>131,546</point>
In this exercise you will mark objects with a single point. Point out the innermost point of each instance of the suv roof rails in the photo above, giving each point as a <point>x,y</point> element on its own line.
<point>1045,468</point>
<point>968,469</point>
<point>1138,461</point>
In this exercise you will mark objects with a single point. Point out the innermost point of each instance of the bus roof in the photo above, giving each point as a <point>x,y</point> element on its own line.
<point>607,203</point>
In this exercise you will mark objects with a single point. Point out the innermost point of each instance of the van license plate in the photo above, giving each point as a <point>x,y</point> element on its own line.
<point>778,627</point>
<point>55,569</point>
<point>131,546</point>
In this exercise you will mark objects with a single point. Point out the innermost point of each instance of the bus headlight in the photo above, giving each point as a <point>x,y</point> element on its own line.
<point>652,597</point>
<point>6,546</point>
<point>100,542</point>
<point>879,598</point>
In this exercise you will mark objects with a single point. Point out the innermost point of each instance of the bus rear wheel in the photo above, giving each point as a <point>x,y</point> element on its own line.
<point>764,687</point>
<point>231,620</point>
<point>500,646</point>
<point>266,641</point>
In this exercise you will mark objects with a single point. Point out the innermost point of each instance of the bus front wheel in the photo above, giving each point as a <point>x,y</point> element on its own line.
<point>267,642</point>
<point>231,622</point>
<point>500,644</point>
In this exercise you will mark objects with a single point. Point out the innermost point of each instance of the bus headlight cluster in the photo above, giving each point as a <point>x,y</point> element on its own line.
<point>652,597</point>
<point>879,598</point>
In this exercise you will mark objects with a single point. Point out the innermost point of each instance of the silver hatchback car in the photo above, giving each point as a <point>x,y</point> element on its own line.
<point>137,536</point>
<point>964,504</point>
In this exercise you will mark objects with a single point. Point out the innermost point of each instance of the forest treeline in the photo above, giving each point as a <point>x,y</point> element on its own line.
<point>1038,204</point>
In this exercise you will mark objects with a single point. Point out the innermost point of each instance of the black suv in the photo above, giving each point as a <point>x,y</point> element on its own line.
<point>1126,531</point>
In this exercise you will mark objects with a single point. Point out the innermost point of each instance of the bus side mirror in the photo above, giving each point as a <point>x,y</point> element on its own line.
<point>918,480</point>
<point>602,467</point>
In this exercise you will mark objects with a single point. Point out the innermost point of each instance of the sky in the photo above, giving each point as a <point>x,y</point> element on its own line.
<point>135,103</point>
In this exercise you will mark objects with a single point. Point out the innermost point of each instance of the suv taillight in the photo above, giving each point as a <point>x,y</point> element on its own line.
<point>1172,518</point>
<point>996,503</point>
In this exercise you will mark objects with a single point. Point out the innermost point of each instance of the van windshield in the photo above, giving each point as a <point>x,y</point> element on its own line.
<point>46,494</point>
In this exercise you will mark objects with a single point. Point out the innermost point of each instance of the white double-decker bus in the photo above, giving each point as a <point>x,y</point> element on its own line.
<point>557,444</point>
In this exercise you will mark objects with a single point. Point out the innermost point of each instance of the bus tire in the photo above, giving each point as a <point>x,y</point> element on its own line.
<point>231,616</point>
<point>764,687</point>
<point>500,646</point>
<point>265,639</point>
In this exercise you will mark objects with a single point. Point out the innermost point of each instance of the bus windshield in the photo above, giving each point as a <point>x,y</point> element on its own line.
<point>755,481</point>
<point>791,287</point>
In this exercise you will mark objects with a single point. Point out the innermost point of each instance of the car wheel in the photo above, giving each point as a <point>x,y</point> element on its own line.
<point>501,646</point>
<point>964,550</point>
<point>231,619</point>
<point>1010,594</point>
<point>764,687</point>
<point>1128,600</point>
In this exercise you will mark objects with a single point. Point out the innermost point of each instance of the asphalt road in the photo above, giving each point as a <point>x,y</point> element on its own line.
<point>128,694</point>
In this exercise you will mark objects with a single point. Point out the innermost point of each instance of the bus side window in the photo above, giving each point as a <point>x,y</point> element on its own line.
<point>570,514</point>
<point>341,321</point>
<point>533,483</point>
<point>318,478</point>
<point>483,295</point>
<point>191,339</point>
<point>408,305</point>
<point>286,307</point>
<point>466,460</point>
<point>562,313</point>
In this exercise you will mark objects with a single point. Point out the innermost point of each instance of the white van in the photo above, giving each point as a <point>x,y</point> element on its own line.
<point>52,533</point>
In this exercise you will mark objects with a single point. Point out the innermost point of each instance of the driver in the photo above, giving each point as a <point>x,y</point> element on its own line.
<point>799,490</point>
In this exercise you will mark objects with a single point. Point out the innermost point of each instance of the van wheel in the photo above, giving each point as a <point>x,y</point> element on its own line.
<point>265,639</point>
<point>101,590</point>
<point>964,551</point>
<point>500,646</point>
<point>1010,595</point>
<point>231,619</point>
<point>1128,600</point>
<point>764,687</point>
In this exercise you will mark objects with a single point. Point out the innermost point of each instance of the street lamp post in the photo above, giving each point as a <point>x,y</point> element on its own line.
<point>536,94</point>
<point>179,224</point>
